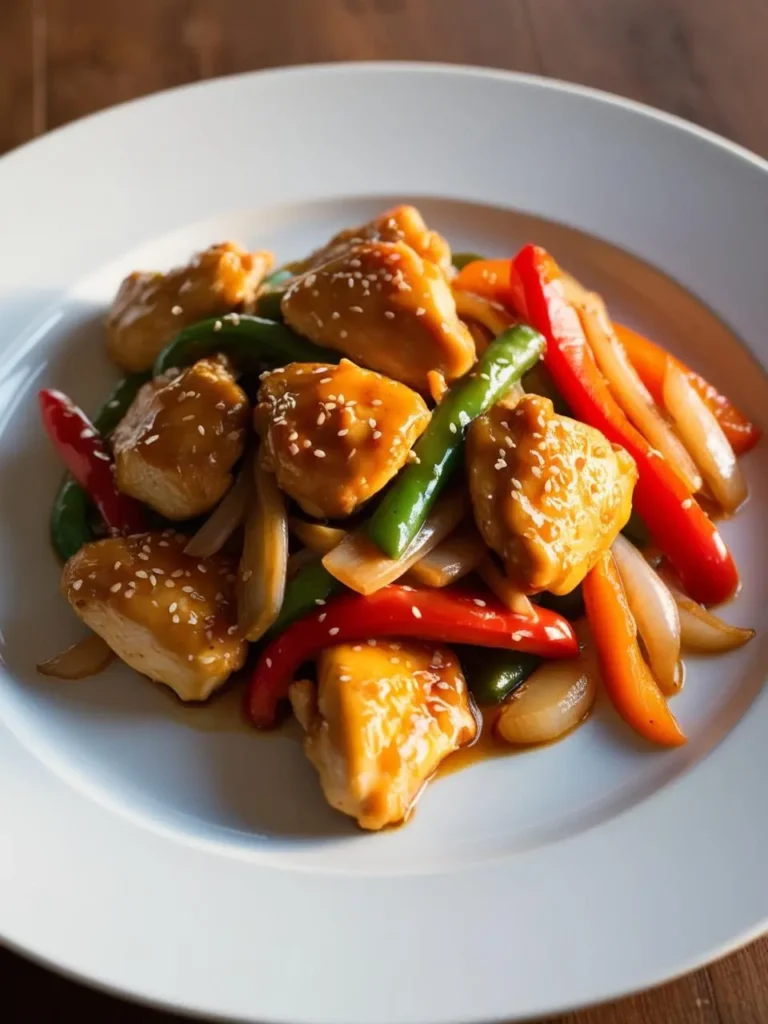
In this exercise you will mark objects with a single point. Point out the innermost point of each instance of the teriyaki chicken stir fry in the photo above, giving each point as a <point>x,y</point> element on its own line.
<point>419,495</point>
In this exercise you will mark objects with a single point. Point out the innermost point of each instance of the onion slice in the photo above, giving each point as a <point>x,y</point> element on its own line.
<point>630,392</point>
<point>222,522</point>
<point>554,699</point>
<point>492,315</point>
<point>704,439</point>
<point>360,565</point>
<point>655,612</point>
<point>506,591</point>
<point>702,631</point>
<point>263,564</point>
<point>85,658</point>
<point>315,536</point>
<point>457,556</point>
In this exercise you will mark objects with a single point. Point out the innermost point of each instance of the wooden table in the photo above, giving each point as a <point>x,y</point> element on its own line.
<point>703,59</point>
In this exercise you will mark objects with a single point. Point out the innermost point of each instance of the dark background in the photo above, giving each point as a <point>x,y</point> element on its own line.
<point>706,60</point>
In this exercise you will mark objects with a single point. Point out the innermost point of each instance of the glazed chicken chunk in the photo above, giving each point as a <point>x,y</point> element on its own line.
<point>177,444</point>
<point>335,435</point>
<point>170,617</point>
<point>549,493</point>
<point>400,224</point>
<point>151,308</point>
<point>382,717</point>
<point>384,306</point>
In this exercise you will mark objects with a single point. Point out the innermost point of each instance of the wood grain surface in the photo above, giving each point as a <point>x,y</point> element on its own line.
<point>702,59</point>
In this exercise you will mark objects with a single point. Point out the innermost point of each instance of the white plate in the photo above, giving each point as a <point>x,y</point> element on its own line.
<point>177,856</point>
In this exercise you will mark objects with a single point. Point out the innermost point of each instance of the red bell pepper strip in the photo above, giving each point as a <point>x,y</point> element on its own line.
<point>496,280</point>
<point>626,676</point>
<point>650,360</point>
<point>679,527</point>
<point>446,616</point>
<point>83,452</point>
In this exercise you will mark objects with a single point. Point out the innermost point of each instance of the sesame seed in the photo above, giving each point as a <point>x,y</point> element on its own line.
<point>356,309</point>
<point>389,314</point>
<point>217,326</point>
<point>268,662</point>
<point>202,568</point>
<point>246,575</point>
<point>343,334</point>
<point>141,573</point>
<point>200,428</point>
<point>394,661</point>
<point>116,566</point>
<point>416,612</point>
<point>320,420</point>
<point>376,435</point>
<point>517,637</point>
<point>351,453</point>
<point>320,454</point>
<point>176,619</point>
<point>326,380</point>
<point>77,584</point>
<point>153,579</point>
<point>342,433</point>
<point>321,616</point>
<point>333,631</point>
<point>101,455</point>
<point>420,311</point>
<point>478,602</point>
<point>115,587</point>
<point>319,600</point>
<point>88,433</point>
<point>294,449</point>
<point>177,310</point>
<point>129,593</point>
<point>371,643</point>
<point>687,503</point>
<point>170,584</point>
<point>176,573</point>
<point>187,590</point>
<point>335,316</point>
<point>151,440</point>
<point>172,608</point>
<point>452,427</point>
<point>232,630</point>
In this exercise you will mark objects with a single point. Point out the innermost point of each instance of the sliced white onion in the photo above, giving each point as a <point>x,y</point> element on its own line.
<point>263,565</point>
<point>360,565</point>
<point>492,315</point>
<point>702,631</point>
<point>457,556</point>
<point>83,659</point>
<point>554,699</point>
<point>630,392</point>
<point>316,536</point>
<point>223,521</point>
<point>704,438</point>
<point>655,612</point>
<point>506,591</point>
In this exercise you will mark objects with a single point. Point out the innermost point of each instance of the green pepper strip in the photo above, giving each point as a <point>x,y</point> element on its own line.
<point>493,675</point>
<point>311,584</point>
<point>71,512</point>
<point>248,339</point>
<point>402,512</point>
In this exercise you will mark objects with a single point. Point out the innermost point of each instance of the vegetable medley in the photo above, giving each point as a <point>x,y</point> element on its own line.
<point>422,495</point>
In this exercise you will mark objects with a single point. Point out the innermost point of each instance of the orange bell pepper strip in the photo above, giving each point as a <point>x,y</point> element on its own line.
<point>496,280</point>
<point>626,676</point>
<point>649,360</point>
<point>679,527</point>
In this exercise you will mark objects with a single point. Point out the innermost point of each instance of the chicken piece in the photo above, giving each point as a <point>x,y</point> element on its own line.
<point>381,719</point>
<point>170,617</point>
<point>384,306</point>
<point>549,494</point>
<point>151,308</point>
<point>176,446</point>
<point>400,224</point>
<point>335,435</point>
